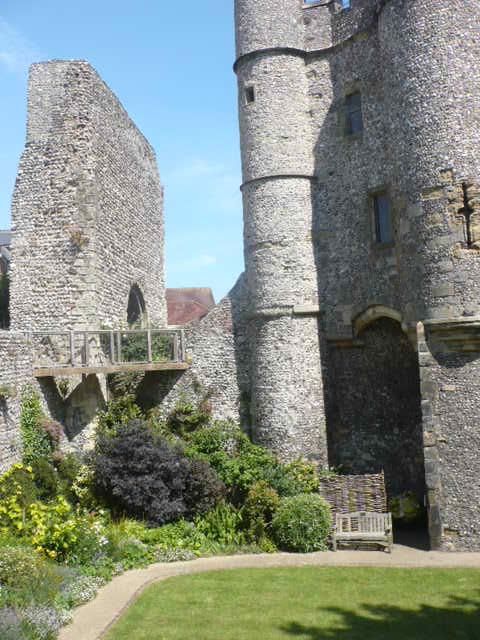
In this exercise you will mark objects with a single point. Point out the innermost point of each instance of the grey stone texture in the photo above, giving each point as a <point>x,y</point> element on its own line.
<point>331,346</point>
<point>416,65</point>
<point>16,372</point>
<point>87,209</point>
<point>87,225</point>
<point>218,351</point>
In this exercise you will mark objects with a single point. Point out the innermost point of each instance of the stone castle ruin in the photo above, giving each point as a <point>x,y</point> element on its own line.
<point>353,338</point>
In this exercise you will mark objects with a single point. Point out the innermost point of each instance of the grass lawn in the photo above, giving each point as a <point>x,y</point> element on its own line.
<point>308,603</point>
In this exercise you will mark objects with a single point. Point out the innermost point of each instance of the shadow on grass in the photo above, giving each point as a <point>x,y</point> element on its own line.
<point>459,620</point>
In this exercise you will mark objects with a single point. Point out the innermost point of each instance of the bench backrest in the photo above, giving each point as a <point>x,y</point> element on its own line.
<point>363,522</point>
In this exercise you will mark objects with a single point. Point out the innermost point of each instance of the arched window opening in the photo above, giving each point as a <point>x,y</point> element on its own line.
<point>136,307</point>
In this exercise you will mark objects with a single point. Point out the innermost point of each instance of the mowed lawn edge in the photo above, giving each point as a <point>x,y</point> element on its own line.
<point>310,603</point>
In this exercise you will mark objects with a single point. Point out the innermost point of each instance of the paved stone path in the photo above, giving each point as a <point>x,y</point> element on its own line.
<point>92,620</point>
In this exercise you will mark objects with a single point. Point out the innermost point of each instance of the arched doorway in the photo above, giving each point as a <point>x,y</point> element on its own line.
<point>375,418</point>
<point>136,309</point>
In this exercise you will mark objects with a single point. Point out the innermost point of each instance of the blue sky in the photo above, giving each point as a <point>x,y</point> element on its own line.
<point>170,63</point>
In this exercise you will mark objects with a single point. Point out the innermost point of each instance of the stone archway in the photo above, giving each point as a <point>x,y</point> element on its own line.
<point>375,419</point>
<point>136,308</point>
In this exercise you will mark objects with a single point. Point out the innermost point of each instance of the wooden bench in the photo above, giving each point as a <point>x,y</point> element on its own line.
<point>363,527</point>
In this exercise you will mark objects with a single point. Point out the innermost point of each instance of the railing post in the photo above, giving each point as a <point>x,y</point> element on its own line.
<point>72,348</point>
<point>182,340</point>
<point>119,347</point>
<point>149,345</point>
<point>112,348</point>
<point>175,347</point>
<point>87,349</point>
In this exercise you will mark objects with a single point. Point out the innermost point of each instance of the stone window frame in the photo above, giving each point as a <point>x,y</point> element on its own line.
<point>349,90</point>
<point>249,94</point>
<point>372,195</point>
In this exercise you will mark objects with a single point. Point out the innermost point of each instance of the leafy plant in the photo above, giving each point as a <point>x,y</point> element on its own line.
<point>27,577</point>
<point>302,523</point>
<point>239,462</point>
<point>189,415</point>
<point>35,441</point>
<point>68,468</point>
<point>17,492</point>
<point>304,474</point>
<point>119,412</point>
<point>45,478</point>
<point>260,506</point>
<point>176,535</point>
<point>139,474</point>
<point>222,525</point>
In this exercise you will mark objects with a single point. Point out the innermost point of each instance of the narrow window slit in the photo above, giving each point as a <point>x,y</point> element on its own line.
<point>467,212</point>
<point>249,94</point>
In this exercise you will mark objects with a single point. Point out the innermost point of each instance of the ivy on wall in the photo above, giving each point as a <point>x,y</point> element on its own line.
<point>35,439</point>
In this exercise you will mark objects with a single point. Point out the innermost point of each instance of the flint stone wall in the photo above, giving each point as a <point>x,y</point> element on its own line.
<point>218,348</point>
<point>87,208</point>
<point>416,64</point>
<point>16,372</point>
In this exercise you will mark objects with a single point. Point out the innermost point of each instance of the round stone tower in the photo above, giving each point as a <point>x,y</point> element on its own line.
<point>431,57</point>
<point>287,406</point>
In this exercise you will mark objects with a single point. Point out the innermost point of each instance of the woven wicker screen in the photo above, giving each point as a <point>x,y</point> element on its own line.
<point>347,494</point>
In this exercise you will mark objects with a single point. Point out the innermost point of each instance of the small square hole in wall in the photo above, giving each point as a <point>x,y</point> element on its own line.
<point>249,94</point>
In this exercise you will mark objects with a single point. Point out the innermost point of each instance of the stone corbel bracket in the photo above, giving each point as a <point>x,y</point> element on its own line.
<point>455,334</point>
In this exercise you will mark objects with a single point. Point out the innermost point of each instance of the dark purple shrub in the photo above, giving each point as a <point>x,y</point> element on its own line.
<point>139,474</point>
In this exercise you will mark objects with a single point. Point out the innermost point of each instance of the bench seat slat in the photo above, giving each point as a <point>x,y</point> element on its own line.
<point>375,528</point>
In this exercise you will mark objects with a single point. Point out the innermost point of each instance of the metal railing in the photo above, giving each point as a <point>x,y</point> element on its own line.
<point>107,347</point>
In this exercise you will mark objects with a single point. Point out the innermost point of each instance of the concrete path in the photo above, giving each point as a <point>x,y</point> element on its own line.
<point>92,620</point>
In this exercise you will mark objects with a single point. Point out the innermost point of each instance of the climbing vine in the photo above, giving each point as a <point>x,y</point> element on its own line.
<point>35,440</point>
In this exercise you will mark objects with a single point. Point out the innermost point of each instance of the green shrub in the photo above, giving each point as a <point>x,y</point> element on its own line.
<point>68,468</point>
<point>64,534</point>
<point>46,478</point>
<point>302,523</point>
<point>260,506</point>
<point>35,440</point>
<point>305,476</point>
<point>27,577</point>
<point>126,383</point>
<point>176,535</point>
<point>239,462</point>
<point>189,415</point>
<point>118,413</point>
<point>18,482</point>
<point>222,525</point>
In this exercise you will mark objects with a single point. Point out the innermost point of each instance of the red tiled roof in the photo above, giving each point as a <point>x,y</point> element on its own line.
<point>185,305</point>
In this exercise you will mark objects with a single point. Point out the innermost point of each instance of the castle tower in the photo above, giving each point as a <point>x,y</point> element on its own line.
<point>287,405</point>
<point>431,53</point>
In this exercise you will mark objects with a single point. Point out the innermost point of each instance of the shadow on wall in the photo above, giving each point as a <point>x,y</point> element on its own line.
<point>374,414</point>
<point>372,385</point>
<point>77,411</point>
<point>460,618</point>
